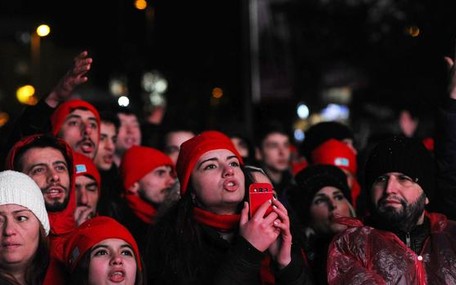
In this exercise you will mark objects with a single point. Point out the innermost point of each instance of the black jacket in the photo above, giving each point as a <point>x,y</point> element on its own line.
<point>212,260</point>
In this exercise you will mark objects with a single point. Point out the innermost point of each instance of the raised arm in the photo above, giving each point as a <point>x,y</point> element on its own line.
<point>35,119</point>
<point>76,76</point>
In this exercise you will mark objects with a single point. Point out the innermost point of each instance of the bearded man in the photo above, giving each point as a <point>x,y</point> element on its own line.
<point>401,242</point>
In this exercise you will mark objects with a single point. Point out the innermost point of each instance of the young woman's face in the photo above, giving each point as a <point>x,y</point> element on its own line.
<point>327,204</point>
<point>112,261</point>
<point>20,231</point>
<point>218,181</point>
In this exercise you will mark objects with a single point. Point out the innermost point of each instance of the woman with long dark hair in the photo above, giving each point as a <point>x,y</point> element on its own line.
<point>207,237</point>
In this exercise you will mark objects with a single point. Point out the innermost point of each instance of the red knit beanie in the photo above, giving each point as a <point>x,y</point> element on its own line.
<point>92,232</point>
<point>62,111</point>
<point>192,150</point>
<point>137,161</point>
<point>336,153</point>
<point>85,166</point>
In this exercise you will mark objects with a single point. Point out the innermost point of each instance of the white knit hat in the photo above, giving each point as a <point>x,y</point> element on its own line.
<point>18,188</point>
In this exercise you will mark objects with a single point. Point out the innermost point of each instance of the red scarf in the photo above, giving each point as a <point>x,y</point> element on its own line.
<point>143,210</point>
<point>226,223</point>
<point>221,223</point>
<point>267,277</point>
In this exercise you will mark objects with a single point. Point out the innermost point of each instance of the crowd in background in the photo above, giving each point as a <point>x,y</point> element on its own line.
<point>95,195</point>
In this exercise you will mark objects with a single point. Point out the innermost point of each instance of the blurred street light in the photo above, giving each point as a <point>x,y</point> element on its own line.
<point>26,95</point>
<point>154,86</point>
<point>41,31</point>
<point>140,4</point>
<point>4,118</point>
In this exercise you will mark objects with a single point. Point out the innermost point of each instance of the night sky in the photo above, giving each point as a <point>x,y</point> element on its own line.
<point>196,46</point>
<point>199,45</point>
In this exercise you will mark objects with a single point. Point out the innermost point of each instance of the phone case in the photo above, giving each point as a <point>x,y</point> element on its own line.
<point>258,194</point>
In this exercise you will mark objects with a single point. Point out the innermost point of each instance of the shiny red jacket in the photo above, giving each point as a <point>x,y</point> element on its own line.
<point>365,255</point>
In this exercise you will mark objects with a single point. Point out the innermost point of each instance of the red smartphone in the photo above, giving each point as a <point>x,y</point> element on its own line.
<point>258,194</point>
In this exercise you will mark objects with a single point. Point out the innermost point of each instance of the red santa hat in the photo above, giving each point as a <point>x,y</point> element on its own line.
<point>192,150</point>
<point>85,166</point>
<point>94,231</point>
<point>62,111</point>
<point>137,161</point>
<point>336,153</point>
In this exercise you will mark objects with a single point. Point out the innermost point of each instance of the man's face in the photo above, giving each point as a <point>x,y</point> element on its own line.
<point>275,152</point>
<point>48,168</point>
<point>81,131</point>
<point>155,185</point>
<point>174,141</point>
<point>108,137</point>
<point>129,132</point>
<point>86,192</point>
<point>398,200</point>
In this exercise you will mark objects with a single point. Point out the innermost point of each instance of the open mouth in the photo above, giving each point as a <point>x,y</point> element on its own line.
<point>117,276</point>
<point>230,185</point>
<point>54,193</point>
<point>108,158</point>
<point>87,147</point>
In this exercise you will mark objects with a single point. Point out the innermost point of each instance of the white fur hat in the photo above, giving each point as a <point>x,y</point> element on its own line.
<point>18,188</point>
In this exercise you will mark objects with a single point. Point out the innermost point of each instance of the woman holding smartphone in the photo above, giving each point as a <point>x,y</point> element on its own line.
<point>208,238</point>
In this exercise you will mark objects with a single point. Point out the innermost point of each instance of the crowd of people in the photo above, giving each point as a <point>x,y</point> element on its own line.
<point>90,196</point>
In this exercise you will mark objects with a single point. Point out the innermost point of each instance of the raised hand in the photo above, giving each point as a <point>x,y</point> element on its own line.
<point>73,78</point>
<point>82,214</point>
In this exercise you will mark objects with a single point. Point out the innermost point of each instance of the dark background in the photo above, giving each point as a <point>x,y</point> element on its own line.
<point>307,46</point>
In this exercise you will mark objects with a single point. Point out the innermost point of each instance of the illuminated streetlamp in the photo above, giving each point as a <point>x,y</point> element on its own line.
<point>41,31</point>
<point>26,95</point>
